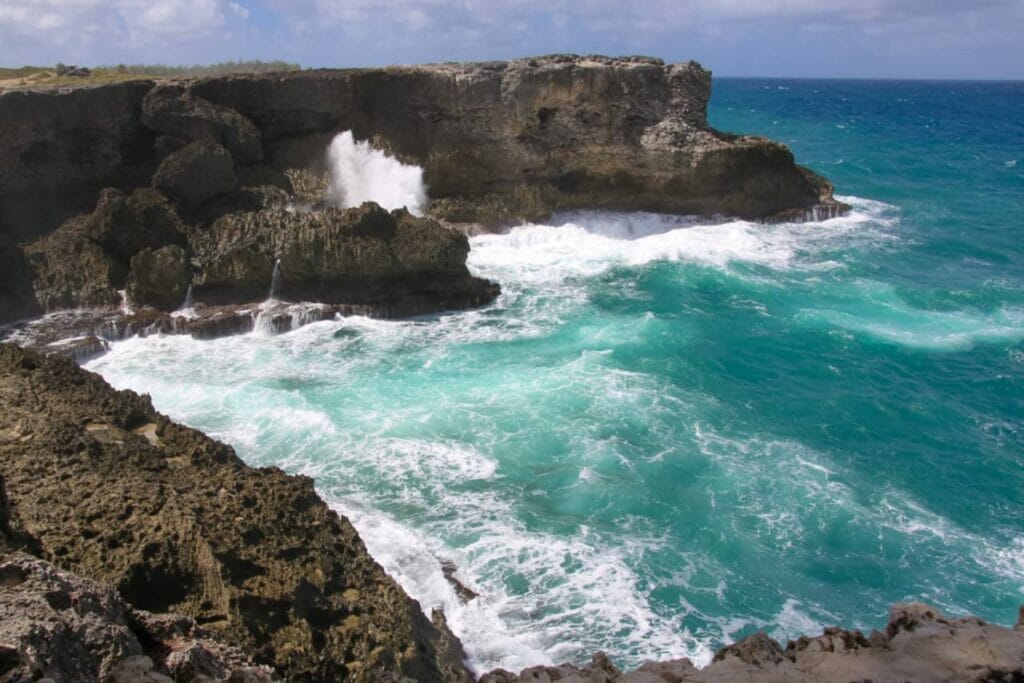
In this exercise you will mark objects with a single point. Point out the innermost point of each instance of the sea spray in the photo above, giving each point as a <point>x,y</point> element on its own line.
<point>359,173</point>
<point>275,280</point>
<point>188,303</point>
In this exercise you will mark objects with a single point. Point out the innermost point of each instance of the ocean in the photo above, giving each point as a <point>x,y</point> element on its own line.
<point>667,434</point>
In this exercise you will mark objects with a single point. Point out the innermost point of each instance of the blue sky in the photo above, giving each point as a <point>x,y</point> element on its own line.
<point>799,38</point>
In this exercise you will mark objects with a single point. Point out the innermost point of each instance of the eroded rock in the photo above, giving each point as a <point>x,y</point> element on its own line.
<point>174,111</point>
<point>159,278</point>
<point>361,256</point>
<point>86,261</point>
<point>177,523</point>
<point>57,625</point>
<point>197,172</point>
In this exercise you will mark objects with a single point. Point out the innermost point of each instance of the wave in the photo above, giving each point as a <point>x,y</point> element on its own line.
<point>878,311</point>
<point>585,244</point>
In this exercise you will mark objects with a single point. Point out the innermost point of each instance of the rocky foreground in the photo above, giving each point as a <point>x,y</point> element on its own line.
<point>102,486</point>
<point>150,187</point>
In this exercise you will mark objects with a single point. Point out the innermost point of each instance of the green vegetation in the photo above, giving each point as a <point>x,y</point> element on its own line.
<point>35,76</point>
<point>20,72</point>
<point>196,70</point>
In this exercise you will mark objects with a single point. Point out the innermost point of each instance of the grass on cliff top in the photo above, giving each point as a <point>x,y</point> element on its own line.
<point>44,76</point>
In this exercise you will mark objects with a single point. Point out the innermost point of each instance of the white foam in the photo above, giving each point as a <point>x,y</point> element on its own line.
<point>359,173</point>
<point>792,622</point>
<point>893,320</point>
<point>585,244</point>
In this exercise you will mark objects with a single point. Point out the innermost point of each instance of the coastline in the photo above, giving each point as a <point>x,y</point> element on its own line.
<point>222,244</point>
<point>62,412</point>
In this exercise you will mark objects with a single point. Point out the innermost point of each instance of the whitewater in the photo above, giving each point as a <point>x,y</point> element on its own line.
<point>670,432</point>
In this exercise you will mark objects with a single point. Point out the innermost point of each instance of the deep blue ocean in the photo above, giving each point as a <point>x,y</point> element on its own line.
<point>666,435</point>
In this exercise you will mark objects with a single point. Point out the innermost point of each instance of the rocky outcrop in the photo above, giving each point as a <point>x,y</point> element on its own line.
<point>173,111</point>
<point>197,172</point>
<point>363,261</point>
<point>502,141</point>
<point>60,626</point>
<point>919,644</point>
<point>362,256</point>
<point>113,491</point>
<point>159,278</point>
<point>86,261</point>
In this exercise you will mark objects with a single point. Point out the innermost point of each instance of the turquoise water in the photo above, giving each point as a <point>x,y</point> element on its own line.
<point>664,436</point>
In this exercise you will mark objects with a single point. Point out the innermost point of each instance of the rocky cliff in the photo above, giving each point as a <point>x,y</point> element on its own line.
<point>101,485</point>
<point>499,142</point>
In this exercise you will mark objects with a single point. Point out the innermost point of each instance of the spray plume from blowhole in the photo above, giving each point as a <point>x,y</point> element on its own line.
<point>359,173</point>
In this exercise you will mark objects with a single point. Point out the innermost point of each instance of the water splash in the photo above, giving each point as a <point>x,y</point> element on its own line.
<point>359,173</point>
<point>275,281</point>
<point>188,303</point>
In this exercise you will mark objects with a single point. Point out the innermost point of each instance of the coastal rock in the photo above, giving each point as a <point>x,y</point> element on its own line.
<point>124,224</point>
<point>499,141</point>
<point>197,172</point>
<point>59,147</point>
<point>17,296</point>
<point>174,111</point>
<point>57,625</point>
<point>70,270</point>
<point>919,644</point>
<point>158,278</point>
<point>506,141</point>
<point>86,261</point>
<point>116,492</point>
<point>361,256</point>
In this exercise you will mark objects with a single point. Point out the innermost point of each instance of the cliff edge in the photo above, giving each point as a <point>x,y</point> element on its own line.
<point>139,165</point>
<point>100,484</point>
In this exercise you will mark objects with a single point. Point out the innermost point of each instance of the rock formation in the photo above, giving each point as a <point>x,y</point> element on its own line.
<point>60,626</point>
<point>499,142</point>
<point>919,644</point>
<point>358,256</point>
<point>109,489</point>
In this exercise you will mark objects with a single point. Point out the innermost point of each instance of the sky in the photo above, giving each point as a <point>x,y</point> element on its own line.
<point>782,38</point>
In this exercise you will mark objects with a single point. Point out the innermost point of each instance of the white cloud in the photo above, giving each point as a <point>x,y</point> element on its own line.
<point>79,26</point>
<point>338,32</point>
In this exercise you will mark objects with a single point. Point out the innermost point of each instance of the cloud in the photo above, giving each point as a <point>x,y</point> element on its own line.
<point>749,36</point>
<point>85,27</point>
<point>239,10</point>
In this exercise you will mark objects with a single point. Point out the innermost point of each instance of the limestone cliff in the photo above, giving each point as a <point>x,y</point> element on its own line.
<point>499,142</point>
<point>107,488</point>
